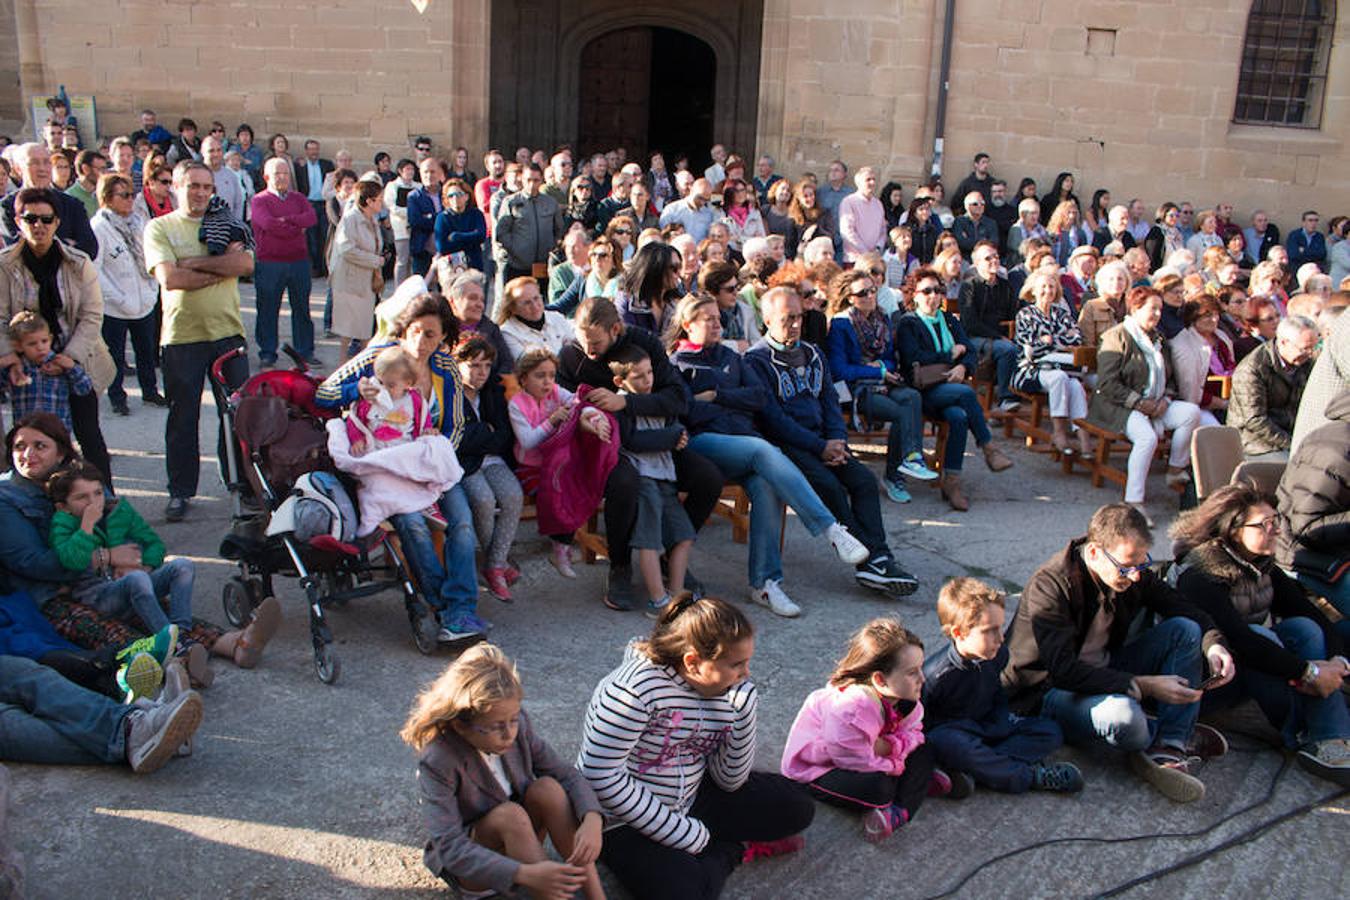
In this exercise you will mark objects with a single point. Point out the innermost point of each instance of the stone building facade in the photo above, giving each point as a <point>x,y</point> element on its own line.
<point>1137,97</point>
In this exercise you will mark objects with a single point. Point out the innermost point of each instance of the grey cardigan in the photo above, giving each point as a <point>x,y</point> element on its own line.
<point>458,789</point>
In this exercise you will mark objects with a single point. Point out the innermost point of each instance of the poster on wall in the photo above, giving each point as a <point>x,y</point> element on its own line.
<point>82,110</point>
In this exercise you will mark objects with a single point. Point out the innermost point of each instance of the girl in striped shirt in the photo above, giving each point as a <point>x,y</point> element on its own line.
<point>668,744</point>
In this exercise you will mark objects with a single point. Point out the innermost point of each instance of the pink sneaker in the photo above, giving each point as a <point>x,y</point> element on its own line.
<point>435,518</point>
<point>880,824</point>
<point>768,849</point>
<point>512,574</point>
<point>561,559</point>
<point>939,784</point>
<point>497,584</point>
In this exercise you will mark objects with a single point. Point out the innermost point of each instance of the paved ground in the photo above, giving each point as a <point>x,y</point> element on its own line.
<point>301,790</point>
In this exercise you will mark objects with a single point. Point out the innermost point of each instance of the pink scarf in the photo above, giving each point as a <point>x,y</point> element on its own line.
<point>739,214</point>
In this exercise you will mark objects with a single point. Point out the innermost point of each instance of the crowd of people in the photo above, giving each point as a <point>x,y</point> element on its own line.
<point>594,332</point>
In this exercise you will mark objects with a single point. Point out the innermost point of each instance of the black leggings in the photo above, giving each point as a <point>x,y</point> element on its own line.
<point>84,418</point>
<point>873,790</point>
<point>768,807</point>
<point>695,475</point>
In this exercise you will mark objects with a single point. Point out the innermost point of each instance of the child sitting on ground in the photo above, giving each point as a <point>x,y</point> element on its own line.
<point>90,534</point>
<point>45,379</point>
<point>662,525</point>
<point>491,787</point>
<point>537,411</point>
<point>858,742</point>
<point>974,737</point>
<point>495,496</point>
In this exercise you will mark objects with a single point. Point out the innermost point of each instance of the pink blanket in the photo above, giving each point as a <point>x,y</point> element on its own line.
<point>403,479</point>
<point>575,467</point>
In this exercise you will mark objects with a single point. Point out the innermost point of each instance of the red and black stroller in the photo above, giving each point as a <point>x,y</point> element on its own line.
<point>291,514</point>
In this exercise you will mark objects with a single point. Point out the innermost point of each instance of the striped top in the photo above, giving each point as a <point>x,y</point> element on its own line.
<point>648,740</point>
<point>341,389</point>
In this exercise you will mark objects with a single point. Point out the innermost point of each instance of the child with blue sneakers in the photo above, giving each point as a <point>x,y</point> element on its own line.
<point>975,738</point>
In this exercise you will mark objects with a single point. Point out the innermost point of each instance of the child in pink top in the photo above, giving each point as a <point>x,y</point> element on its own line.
<point>858,742</point>
<point>537,411</point>
<point>397,415</point>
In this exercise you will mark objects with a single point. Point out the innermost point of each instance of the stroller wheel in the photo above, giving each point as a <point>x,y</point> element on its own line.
<point>326,663</point>
<point>425,631</point>
<point>238,602</point>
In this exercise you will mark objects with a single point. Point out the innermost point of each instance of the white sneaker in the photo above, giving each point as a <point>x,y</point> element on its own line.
<point>772,596</point>
<point>849,548</point>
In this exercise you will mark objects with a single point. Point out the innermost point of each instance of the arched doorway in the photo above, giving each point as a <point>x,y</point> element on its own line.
<point>644,89</point>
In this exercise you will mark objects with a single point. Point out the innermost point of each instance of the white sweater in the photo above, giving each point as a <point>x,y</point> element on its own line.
<point>129,291</point>
<point>649,738</point>
<point>520,337</point>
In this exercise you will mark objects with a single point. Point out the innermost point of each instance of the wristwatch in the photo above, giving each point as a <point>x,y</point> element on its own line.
<point>1310,673</point>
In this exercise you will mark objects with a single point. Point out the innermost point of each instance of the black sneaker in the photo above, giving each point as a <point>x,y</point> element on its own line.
<point>1062,777</point>
<point>619,588</point>
<point>176,509</point>
<point>882,574</point>
<point>119,407</point>
<point>155,400</point>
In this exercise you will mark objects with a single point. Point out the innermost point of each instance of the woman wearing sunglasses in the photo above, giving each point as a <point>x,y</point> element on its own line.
<point>1290,658</point>
<point>156,197</point>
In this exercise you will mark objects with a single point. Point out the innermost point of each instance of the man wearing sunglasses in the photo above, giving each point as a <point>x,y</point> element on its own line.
<point>34,162</point>
<point>1076,657</point>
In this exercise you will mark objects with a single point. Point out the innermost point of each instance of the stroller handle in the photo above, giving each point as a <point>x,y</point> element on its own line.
<point>218,367</point>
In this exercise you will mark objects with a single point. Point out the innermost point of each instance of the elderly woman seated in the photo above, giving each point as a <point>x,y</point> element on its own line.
<point>524,323</point>
<point>1045,334</point>
<point>1202,349</point>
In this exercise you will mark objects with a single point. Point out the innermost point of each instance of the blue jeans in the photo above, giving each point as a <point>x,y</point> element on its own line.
<point>1172,647</point>
<point>960,408</point>
<point>46,719</point>
<point>903,408</point>
<point>452,587</point>
<point>270,279</point>
<point>1000,755</point>
<point>1300,717</point>
<point>136,595</point>
<point>771,480</point>
<point>143,342</point>
<point>1005,355</point>
<point>1338,595</point>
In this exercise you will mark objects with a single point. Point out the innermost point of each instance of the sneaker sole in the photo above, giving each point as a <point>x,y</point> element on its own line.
<point>890,588</point>
<point>1315,766</point>
<point>175,733</point>
<point>786,614</point>
<point>144,675</point>
<point>874,830</point>
<point>1176,786</point>
<point>924,475</point>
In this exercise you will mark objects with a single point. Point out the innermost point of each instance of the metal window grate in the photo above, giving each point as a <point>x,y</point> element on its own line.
<point>1282,78</point>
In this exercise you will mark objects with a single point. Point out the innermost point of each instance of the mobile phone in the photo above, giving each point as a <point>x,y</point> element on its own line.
<point>1210,682</point>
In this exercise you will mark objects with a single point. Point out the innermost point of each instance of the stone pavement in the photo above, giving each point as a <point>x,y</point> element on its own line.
<point>297,789</point>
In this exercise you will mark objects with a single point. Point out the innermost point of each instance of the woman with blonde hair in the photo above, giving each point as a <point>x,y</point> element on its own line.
<point>1066,232</point>
<point>524,321</point>
<point>1206,233</point>
<point>1046,334</point>
<point>477,751</point>
<point>606,276</point>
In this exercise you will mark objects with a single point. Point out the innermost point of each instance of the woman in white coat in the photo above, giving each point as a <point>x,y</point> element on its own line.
<point>354,267</point>
<point>526,324</point>
<point>1200,350</point>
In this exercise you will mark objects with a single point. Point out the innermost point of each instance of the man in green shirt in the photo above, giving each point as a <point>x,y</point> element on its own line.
<point>89,165</point>
<point>201,321</point>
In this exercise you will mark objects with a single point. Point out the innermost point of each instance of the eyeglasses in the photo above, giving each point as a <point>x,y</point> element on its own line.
<point>928,290</point>
<point>1266,320</point>
<point>805,295</point>
<point>456,194</point>
<point>876,273</point>
<point>423,149</point>
<point>1127,571</point>
<point>599,256</point>
<point>1269,526</point>
<point>727,288</point>
<point>164,180</point>
<point>865,292</point>
<point>34,218</point>
<point>121,195</point>
<point>501,729</point>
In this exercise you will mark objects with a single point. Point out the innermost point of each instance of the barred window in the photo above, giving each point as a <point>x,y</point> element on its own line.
<point>1283,75</point>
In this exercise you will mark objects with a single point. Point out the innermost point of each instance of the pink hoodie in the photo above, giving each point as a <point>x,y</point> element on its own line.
<point>837,728</point>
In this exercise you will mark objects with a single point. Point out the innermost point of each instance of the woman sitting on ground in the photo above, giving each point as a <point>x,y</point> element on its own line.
<point>1046,334</point>
<point>935,357</point>
<point>524,322</point>
<point>862,356</point>
<point>1199,351</point>
<point>1132,395</point>
<point>1290,659</point>
<point>721,419</point>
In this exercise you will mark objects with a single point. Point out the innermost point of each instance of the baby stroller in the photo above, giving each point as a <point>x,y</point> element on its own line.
<point>277,461</point>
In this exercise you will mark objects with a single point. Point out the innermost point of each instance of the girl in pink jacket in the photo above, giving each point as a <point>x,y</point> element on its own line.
<point>858,742</point>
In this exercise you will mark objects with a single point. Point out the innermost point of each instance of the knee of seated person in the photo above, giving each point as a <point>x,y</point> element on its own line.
<point>181,567</point>
<point>1121,722</point>
<point>509,818</point>
<point>1183,632</point>
<point>544,791</point>
<point>139,579</point>
<point>1307,634</point>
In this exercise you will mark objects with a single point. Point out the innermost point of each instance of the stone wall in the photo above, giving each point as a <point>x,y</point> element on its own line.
<point>1147,112</point>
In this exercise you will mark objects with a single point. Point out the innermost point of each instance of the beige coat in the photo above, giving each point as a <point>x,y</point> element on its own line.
<point>81,307</point>
<point>354,258</point>
<point>1096,319</point>
<point>1190,363</point>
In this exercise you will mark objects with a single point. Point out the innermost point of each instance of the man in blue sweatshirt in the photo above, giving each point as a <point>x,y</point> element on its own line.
<point>802,417</point>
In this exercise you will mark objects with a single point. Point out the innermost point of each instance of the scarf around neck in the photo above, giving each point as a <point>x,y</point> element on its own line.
<point>44,270</point>
<point>937,327</point>
<point>872,332</point>
<point>1157,378</point>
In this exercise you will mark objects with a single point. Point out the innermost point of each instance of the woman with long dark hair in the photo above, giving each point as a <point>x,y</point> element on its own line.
<point>648,296</point>
<point>1062,192</point>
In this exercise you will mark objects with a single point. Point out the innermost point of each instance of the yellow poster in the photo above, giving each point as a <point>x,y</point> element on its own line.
<point>81,107</point>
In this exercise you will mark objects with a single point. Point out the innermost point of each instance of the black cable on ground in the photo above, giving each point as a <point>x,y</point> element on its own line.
<point>1051,842</point>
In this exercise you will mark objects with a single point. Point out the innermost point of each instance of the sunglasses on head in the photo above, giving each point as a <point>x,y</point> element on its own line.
<point>34,218</point>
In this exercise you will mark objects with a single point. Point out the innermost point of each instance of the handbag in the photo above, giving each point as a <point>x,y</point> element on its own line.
<point>927,376</point>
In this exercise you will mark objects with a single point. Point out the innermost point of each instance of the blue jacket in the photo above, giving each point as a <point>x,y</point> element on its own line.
<point>916,344</point>
<point>1304,249</point>
<point>421,220</point>
<point>959,688</point>
<point>25,632</point>
<point>739,394</point>
<point>27,562</point>
<point>802,409</point>
<point>845,353</point>
<point>460,233</point>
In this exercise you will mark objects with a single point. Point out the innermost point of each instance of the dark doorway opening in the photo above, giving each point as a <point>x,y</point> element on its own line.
<point>647,89</point>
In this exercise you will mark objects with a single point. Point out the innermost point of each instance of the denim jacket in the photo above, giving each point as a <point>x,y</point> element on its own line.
<point>27,561</point>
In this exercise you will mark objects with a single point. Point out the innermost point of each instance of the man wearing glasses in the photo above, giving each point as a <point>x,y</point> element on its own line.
<point>1076,658</point>
<point>1268,387</point>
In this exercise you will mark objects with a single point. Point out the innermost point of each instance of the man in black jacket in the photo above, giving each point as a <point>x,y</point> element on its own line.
<point>1074,655</point>
<point>1116,230</point>
<point>35,164</point>
<point>599,335</point>
<point>985,303</point>
<point>309,177</point>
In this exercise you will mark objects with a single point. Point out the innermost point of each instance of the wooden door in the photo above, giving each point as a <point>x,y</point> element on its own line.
<point>615,86</point>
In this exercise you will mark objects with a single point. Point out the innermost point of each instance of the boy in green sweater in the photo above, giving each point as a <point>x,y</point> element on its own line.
<point>85,529</point>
